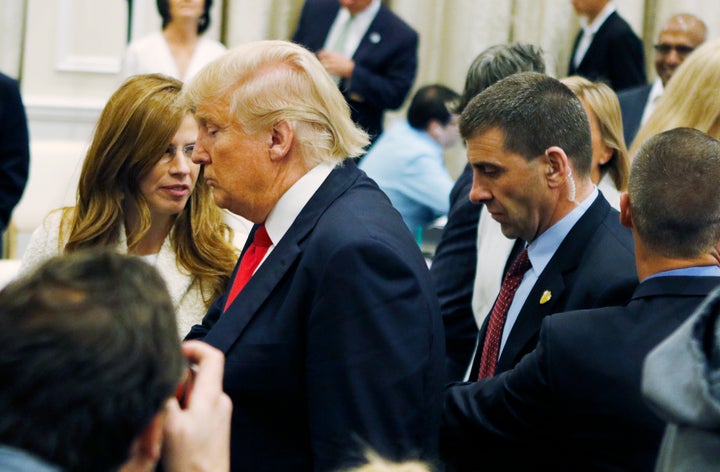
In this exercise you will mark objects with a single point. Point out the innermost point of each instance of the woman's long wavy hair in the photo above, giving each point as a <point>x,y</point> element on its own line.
<point>133,132</point>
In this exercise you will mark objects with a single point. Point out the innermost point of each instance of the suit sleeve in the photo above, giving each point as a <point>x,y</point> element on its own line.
<point>14,148</point>
<point>209,320</point>
<point>387,87</point>
<point>372,336</point>
<point>498,412</point>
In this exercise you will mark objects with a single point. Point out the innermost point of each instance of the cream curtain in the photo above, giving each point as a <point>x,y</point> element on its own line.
<point>453,32</point>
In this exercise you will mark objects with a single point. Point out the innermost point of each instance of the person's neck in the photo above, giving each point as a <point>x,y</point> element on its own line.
<point>592,15</point>
<point>649,262</point>
<point>567,202</point>
<point>181,31</point>
<point>151,242</point>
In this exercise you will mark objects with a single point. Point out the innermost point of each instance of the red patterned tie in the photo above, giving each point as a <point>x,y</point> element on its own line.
<point>510,284</point>
<point>251,259</point>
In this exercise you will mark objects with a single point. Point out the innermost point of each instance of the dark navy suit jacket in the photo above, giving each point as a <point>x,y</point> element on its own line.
<point>14,148</point>
<point>336,341</point>
<point>615,56</point>
<point>632,106</point>
<point>593,267</point>
<point>575,402</point>
<point>385,60</point>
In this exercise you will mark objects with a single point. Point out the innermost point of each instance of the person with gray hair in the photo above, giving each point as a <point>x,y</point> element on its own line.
<point>574,402</point>
<point>453,265</point>
<point>331,328</point>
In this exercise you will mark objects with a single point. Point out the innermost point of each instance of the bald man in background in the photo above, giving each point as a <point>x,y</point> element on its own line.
<point>679,36</point>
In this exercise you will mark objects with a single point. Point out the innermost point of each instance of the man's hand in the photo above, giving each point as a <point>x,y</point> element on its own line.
<point>336,64</point>
<point>197,437</point>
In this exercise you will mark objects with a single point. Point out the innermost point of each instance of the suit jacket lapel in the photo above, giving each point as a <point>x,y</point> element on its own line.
<point>564,261</point>
<point>261,285</point>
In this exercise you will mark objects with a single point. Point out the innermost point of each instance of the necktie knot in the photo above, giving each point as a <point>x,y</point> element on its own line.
<point>520,265</point>
<point>250,261</point>
<point>261,237</point>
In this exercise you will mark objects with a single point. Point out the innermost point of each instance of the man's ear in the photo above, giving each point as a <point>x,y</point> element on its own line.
<point>625,210</point>
<point>282,137</point>
<point>557,166</point>
<point>146,448</point>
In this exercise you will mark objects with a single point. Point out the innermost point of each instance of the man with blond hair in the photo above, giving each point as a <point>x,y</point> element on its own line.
<point>330,327</point>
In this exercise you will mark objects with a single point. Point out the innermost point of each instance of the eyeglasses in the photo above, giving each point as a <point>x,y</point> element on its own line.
<point>187,150</point>
<point>681,50</point>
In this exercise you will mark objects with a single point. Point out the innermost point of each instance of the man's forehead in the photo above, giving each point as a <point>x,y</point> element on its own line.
<point>213,112</point>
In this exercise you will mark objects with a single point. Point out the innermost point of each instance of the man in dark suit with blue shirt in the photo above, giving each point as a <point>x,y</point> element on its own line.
<point>370,51</point>
<point>528,141</point>
<point>334,343</point>
<point>575,402</point>
<point>606,49</point>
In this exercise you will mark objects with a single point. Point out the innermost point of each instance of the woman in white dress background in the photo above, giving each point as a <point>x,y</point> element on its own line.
<point>180,50</point>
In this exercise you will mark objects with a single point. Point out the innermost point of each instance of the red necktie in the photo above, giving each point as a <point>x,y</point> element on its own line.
<point>510,284</point>
<point>251,259</point>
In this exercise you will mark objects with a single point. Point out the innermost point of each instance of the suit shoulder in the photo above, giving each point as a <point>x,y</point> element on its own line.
<point>577,325</point>
<point>617,232</point>
<point>618,28</point>
<point>394,23</point>
<point>641,92</point>
<point>322,7</point>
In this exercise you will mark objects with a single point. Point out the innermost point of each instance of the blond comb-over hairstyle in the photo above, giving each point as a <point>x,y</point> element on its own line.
<point>262,83</point>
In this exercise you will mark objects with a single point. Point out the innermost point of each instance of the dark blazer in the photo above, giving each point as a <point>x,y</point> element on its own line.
<point>453,272</point>
<point>14,148</point>
<point>336,341</point>
<point>593,267</point>
<point>632,106</point>
<point>574,403</point>
<point>615,56</point>
<point>385,60</point>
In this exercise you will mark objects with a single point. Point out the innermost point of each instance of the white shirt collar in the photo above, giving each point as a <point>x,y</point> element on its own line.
<point>593,27</point>
<point>286,210</point>
<point>656,91</point>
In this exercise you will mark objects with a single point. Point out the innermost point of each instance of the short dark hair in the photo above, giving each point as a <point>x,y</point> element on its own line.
<point>673,192</point>
<point>498,62</point>
<point>535,112</point>
<point>163,7</point>
<point>430,103</point>
<point>88,356</point>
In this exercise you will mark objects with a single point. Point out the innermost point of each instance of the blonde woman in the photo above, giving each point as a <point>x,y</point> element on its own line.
<point>140,193</point>
<point>691,99</point>
<point>610,161</point>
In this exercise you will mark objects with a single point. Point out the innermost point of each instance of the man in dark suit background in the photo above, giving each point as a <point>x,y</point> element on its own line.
<point>575,402</point>
<point>370,50</point>
<point>454,262</point>
<point>528,141</point>
<point>14,149</point>
<point>606,48</point>
<point>679,36</point>
<point>335,343</point>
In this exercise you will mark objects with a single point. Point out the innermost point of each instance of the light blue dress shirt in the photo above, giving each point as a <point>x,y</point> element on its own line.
<point>540,252</point>
<point>408,166</point>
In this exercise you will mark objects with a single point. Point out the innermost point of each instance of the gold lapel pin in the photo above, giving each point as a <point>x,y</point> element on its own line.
<point>546,296</point>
